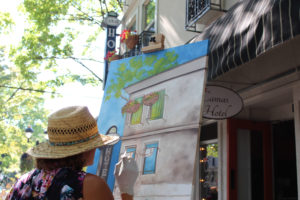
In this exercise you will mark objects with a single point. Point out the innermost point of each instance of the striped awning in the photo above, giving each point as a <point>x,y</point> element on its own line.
<point>247,30</point>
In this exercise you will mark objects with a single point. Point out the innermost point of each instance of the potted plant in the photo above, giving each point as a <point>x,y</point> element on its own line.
<point>130,38</point>
<point>111,55</point>
<point>131,107</point>
<point>150,99</point>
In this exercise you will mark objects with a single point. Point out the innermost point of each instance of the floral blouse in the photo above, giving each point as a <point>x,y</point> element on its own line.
<point>35,184</point>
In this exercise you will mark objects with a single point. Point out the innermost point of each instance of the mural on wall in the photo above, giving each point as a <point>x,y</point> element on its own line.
<point>125,110</point>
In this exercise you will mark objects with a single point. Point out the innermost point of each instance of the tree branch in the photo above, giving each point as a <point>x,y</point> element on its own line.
<point>124,98</point>
<point>12,95</point>
<point>27,89</point>
<point>120,4</point>
<point>101,8</point>
<point>105,6</point>
<point>78,61</point>
<point>85,16</point>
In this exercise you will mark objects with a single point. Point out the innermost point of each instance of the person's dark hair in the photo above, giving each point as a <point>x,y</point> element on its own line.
<point>75,162</point>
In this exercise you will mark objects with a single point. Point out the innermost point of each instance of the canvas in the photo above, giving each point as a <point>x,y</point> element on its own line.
<point>154,102</point>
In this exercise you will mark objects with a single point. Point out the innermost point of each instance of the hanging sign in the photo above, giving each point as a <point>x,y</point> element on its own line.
<point>110,22</point>
<point>221,103</point>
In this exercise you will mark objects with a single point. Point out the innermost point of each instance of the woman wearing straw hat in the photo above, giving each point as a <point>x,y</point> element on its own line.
<point>73,139</point>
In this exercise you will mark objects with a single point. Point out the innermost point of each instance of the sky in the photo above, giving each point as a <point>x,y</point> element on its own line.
<point>72,93</point>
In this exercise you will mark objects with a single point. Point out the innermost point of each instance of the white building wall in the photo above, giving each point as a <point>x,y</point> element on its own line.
<point>170,18</point>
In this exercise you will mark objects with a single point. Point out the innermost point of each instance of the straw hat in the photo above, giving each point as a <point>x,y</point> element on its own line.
<point>71,130</point>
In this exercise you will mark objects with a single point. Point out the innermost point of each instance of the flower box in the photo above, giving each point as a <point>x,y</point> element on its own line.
<point>130,38</point>
<point>112,55</point>
<point>131,107</point>
<point>150,99</point>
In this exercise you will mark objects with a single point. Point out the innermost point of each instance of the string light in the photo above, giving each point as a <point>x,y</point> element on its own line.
<point>202,180</point>
<point>202,149</point>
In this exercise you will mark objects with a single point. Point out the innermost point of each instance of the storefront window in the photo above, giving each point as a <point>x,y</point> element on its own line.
<point>208,163</point>
<point>209,171</point>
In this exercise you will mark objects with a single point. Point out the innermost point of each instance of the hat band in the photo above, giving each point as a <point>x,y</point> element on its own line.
<point>73,142</point>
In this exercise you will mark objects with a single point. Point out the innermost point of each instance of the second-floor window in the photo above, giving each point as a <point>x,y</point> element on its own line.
<point>137,116</point>
<point>149,15</point>
<point>157,109</point>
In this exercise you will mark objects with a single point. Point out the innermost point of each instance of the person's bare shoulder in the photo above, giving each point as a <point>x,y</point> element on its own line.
<point>95,188</point>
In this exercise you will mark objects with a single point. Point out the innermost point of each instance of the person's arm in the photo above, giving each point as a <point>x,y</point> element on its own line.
<point>95,188</point>
<point>126,196</point>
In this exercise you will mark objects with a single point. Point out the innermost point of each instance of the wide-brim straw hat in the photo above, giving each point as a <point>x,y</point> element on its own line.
<point>71,130</point>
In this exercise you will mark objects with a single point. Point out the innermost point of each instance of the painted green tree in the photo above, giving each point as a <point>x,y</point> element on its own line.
<point>137,69</point>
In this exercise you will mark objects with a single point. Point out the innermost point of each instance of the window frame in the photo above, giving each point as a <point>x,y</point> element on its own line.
<point>152,171</point>
<point>141,110</point>
<point>131,147</point>
<point>145,26</point>
<point>149,117</point>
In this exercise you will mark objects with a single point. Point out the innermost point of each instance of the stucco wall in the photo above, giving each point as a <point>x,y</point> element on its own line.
<point>171,22</point>
<point>170,18</point>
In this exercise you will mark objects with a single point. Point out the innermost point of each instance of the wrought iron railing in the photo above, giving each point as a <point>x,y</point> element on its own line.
<point>144,39</point>
<point>195,10</point>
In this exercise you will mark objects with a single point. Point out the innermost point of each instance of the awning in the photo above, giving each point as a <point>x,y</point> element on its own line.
<point>247,30</point>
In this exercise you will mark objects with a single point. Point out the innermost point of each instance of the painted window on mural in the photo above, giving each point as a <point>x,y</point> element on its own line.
<point>136,117</point>
<point>157,109</point>
<point>150,158</point>
<point>149,15</point>
<point>130,151</point>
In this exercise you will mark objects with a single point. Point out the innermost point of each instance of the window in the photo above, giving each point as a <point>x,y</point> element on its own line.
<point>150,158</point>
<point>157,109</point>
<point>130,151</point>
<point>149,15</point>
<point>136,117</point>
<point>208,165</point>
<point>132,27</point>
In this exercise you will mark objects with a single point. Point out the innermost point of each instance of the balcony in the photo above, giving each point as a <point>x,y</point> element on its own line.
<point>200,13</point>
<point>144,39</point>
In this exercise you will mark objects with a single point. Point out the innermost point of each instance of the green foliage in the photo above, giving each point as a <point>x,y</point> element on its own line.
<point>150,12</point>
<point>30,68</point>
<point>52,29</point>
<point>212,150</point>
<point>19,108</point>
<point>138,69</point>
<point>5,22</point>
